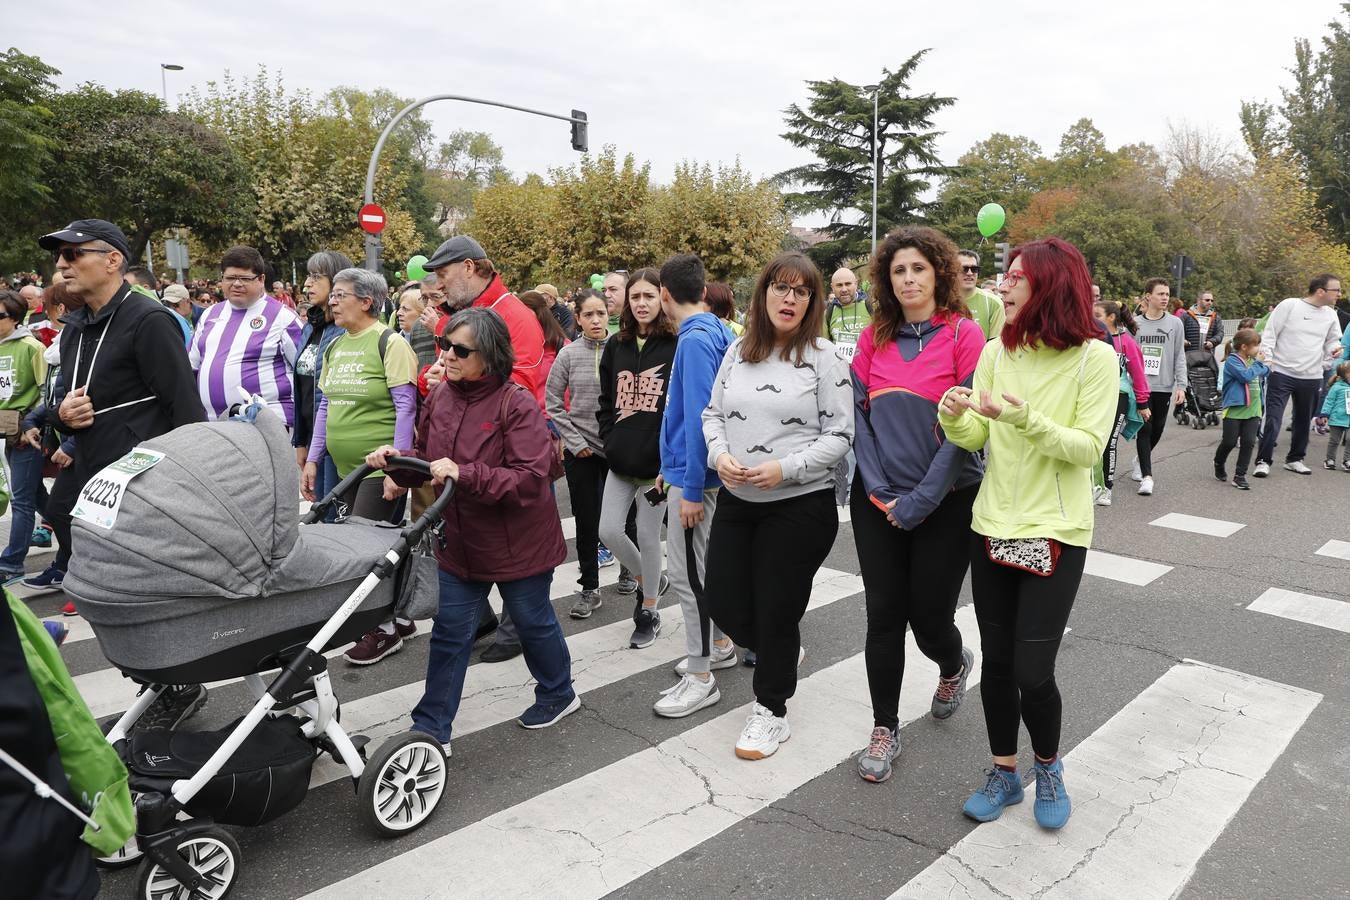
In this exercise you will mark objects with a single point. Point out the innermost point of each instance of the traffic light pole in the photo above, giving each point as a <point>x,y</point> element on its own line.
<point>579,142</point>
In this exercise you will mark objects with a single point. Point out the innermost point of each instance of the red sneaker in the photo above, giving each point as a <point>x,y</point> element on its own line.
<point>373,647</point>
<point>69,609</point>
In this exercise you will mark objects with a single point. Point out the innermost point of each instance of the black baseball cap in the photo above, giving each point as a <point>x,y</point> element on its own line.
<point>457,249</point>
<point>81,231</point>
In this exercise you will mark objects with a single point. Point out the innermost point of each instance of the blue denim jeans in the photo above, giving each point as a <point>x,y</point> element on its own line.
<point>25,478</point>
<point>452,633</point>
<point>324,481</point>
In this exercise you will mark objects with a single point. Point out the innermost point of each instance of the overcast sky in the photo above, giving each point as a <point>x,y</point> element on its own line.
<point>708,80</point>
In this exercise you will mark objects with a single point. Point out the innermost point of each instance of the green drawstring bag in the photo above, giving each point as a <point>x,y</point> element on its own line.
<point>97,777</point>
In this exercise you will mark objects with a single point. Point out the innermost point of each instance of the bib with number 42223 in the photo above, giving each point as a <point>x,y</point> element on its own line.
<point>101,498</point>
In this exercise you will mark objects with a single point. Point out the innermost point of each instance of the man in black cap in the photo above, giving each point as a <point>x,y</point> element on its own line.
<point>127,378</point>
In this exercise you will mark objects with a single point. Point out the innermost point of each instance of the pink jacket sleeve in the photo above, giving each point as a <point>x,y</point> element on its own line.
<point>1134,364</point>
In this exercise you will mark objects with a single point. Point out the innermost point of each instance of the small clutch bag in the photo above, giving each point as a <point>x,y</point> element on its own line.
<point>1035,555</point>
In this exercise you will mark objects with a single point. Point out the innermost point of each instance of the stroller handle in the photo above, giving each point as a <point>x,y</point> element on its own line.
<point>320,506</point>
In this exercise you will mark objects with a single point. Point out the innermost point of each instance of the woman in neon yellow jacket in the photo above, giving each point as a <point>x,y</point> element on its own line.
<point>1043,399</point>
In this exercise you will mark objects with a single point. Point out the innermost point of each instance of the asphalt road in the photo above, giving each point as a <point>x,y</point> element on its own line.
<point>1259,812</point>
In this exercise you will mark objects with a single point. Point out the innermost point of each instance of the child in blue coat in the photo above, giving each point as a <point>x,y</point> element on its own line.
<point>1242,405</point>
<point>1336,412</point>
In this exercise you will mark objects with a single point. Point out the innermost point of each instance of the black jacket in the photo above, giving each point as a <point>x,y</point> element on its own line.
<point>633,385</point>
<point>135,348</point>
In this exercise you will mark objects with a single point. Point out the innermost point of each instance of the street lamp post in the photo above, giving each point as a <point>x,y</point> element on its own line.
<point>579,138</point>
<point>164,80</point>
<point>876,168</point>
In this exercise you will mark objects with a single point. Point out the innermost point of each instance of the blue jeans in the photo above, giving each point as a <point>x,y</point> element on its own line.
<point>25,477</point>
<point>324,481</point>
<point>452,633</point>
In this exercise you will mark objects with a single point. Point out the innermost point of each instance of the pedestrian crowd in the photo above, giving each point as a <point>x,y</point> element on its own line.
<point>704,452</point>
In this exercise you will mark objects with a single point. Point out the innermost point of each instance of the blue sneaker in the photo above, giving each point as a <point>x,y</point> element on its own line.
<point>57,630</point>
<point>603,557</point>
<point>1052,801</point>
<point>542,715</point>
<point>49,579</point>
<point>1000,789</point>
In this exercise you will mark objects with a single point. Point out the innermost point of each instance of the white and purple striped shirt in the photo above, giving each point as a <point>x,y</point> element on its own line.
<point>253,348</point>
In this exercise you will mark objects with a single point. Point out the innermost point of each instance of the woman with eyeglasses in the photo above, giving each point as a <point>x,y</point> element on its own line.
<point>634,377</point>
<point>23,370</point>
<point>482,432</point>
<point>913,491</point>
<point>779,421</point>
<point>319,332</point>
<point>1043,400</point>
<point>368,399</point>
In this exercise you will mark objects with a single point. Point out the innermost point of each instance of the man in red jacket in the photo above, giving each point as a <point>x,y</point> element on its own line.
<point>468,278</point>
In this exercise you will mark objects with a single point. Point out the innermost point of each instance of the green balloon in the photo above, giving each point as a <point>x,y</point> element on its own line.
<point>416,272</point>
<point>597,281</point>
<point>990,219</point>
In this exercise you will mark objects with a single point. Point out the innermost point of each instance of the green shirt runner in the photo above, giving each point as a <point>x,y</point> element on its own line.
<point>356,383</point>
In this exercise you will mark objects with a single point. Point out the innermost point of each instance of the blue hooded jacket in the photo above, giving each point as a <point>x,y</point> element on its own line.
<point>703,341</point>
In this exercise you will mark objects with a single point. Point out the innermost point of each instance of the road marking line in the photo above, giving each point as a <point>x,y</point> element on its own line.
<point>1198,525</point>
<point>1153,788</point>
<point>593,835</point>
<point>1321,611</point>
<point>1335,549</point>
<point>1138,572</point>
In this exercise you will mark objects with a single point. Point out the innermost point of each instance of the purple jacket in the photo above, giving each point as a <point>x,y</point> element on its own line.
<point>502,523</point>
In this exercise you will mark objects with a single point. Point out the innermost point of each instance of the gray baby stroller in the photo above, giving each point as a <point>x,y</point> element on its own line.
<point>1204,402</point>
<point>195,569</point>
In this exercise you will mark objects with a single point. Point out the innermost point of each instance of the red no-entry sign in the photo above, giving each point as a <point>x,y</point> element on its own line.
<point>371,218</point>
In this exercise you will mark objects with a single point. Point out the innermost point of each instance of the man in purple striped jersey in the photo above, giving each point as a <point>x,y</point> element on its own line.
<point>247,342</point>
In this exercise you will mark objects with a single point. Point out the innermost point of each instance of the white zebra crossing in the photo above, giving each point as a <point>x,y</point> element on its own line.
<point>593,835</point>
<point>1322,611</point>
<point>1153,788</point>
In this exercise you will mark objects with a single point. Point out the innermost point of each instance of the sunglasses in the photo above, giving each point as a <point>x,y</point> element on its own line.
<point>70,254</point>
<point>460,350</point>
<point>970,270</point>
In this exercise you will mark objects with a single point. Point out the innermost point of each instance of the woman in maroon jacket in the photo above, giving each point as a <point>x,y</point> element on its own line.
<point>482,432</point>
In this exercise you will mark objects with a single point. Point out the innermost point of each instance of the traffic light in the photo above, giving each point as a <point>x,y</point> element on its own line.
<point>579,135</point>
<point>1001,252</point>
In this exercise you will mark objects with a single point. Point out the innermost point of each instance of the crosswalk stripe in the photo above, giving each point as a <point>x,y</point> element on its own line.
<point>1322,611</point>
<point>107,692</point>
<point>1335,549</point>
<point>1198,525</point>
<point>609,827</point>
<point>498,692</point>
<point>1138,572</point>
<point>1153,788</point>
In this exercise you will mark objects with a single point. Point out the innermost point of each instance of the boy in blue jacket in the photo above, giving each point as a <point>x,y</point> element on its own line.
<point>692,486</point>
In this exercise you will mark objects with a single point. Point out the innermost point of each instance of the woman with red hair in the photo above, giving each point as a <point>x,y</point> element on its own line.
<point>1043,399</point>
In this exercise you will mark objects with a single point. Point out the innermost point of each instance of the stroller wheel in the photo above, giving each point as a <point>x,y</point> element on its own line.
<point>214,854</point>
<point>127,855</point>
<point>402,784</point>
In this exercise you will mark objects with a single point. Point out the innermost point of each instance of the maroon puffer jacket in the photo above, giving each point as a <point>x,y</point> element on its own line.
<point>502,523</point>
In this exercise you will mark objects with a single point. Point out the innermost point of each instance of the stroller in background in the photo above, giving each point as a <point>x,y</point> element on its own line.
<point>1204,402</point>
<point>207,574</point>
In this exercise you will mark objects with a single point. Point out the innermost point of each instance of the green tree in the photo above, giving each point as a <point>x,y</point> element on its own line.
<point>515,223</point>
<point>1004,169</point>
<point>601,216</point>
<point>836,128</point>
<point>733,222</point>
<point>465,164</point>
<point>26,89</point>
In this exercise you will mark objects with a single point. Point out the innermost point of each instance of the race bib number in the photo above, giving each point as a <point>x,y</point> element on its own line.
<point>1152,360</point>
<point>1347,403</point>
<point>102,497</point>
<point>6,378</point>
<point>846,350</point>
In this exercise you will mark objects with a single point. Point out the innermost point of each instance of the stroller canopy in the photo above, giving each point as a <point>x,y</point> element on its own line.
<point>211,519</point>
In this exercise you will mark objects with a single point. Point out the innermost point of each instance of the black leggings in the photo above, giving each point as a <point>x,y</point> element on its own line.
<point>1109,454</point>
<point>911,578</point>
<point>365,499</point>
<point>1022,618</point>
<point>585,487</point>
<point>762,560</point>
<point>1240,433</point>
<point>1160,407</point>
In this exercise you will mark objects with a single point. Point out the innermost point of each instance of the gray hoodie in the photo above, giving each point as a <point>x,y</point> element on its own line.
<point>1163,343</point>
<point>576,372</point>
<point>800,414</point>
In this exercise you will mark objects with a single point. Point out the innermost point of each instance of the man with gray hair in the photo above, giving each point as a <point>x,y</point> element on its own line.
<point>247,344</point>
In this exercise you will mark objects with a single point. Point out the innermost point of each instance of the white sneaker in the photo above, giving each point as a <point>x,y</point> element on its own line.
<point>1136,475</point>
<point>720,659</point>
<point>762,734</point>
<point>688,697</point>
<point>1146,486</point>
<point>1104,497</point>
<point>1296,466</point>
<point>1261,470</point>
